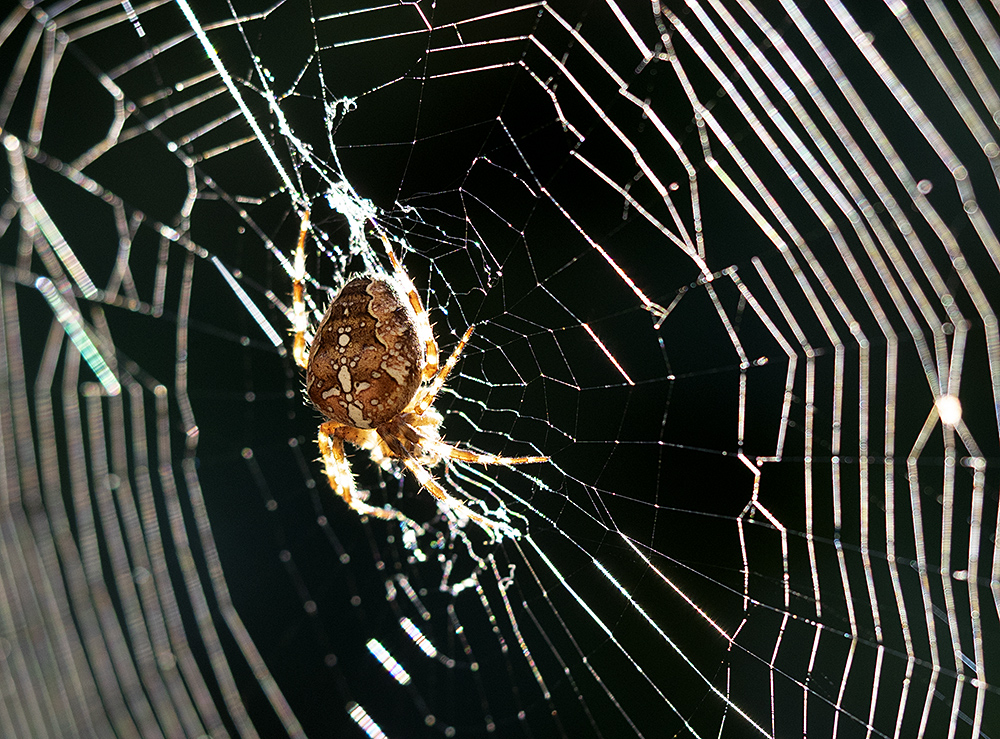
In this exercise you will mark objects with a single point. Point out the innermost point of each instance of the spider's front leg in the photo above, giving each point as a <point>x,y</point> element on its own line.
<point>425,397</point>
<point>423,324</point>
<point>338,471</point>
<point>300,316</point>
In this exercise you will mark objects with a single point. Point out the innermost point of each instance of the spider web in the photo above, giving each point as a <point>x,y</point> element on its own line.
<point>731,266</point>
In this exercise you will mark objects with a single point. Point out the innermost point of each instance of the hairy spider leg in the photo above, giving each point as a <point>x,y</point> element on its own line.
<point>340,477</point>
<point>426,396</point>
<point>300,317</point>
<point>424,400</point>
<point>406,428</point>
<point>424,332</point>
<point>426,481</point>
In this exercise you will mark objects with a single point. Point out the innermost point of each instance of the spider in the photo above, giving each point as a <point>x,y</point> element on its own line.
<point>372,370</point>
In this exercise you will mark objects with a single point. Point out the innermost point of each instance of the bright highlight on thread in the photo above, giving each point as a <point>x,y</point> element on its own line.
<point>608,354</point>
<point>949,408</point>
<point>391,666</point>
<point>134,17</point>
<point>418,637</point>
<point>72,324</point>
<point>366,722</point>
<point>252,309</point>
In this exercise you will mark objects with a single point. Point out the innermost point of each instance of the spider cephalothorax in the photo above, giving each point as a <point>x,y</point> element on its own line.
<point>372,370</point>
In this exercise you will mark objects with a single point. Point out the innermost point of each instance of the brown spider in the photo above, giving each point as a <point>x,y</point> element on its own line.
<point>372,370</point>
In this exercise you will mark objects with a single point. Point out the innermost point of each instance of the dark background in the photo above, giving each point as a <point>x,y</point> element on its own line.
<point>484,161</point>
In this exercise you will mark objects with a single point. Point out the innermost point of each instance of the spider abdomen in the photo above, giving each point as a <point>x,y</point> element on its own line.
<point>366,361</point>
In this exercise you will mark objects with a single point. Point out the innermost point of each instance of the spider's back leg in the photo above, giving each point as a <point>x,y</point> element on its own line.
<point>495,529</point>
<point>406,428</point>
<point>339,475</point>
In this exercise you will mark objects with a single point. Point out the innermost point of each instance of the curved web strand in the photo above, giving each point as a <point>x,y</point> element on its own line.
<point>729,417</point>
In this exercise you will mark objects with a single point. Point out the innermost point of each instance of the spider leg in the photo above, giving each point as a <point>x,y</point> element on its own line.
<point>441,449</point>
<point>491,527</point>
<point>426,396</point>
<point>424,332</point>
<point>300,317</point>
<point>339,475</point>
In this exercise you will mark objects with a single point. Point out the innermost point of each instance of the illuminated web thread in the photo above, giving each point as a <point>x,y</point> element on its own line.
<point>889,276</point>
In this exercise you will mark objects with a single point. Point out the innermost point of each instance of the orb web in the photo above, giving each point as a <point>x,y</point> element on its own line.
<point>732,268</point>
